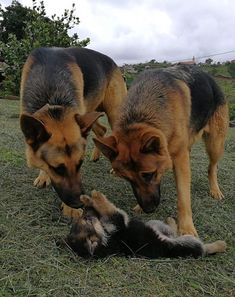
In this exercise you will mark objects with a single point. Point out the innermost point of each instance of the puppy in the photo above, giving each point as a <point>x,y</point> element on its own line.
<point>105,230</point>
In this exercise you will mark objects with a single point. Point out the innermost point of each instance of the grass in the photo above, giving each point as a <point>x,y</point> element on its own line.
<point>228,87</point>
<point>30,222</point>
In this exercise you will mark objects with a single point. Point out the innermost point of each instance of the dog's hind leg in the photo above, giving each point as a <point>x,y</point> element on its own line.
<point>99,131</point>
<point>43,180</point>
<point>214,139</point>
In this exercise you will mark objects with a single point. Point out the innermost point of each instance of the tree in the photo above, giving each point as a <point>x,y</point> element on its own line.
<point>209,61</point>
<point>36,30</point>
<point>13,21</point>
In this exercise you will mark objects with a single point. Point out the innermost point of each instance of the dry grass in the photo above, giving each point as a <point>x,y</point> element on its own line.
<point>30,222</point>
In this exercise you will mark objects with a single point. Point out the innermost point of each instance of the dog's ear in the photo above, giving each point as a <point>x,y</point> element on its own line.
<point>108,146</point>
<point>34,131</point>
<point>86,121</point>
<point>150,144</point>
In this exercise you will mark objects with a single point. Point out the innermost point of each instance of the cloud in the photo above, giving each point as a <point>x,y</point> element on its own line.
<point>136,31</point>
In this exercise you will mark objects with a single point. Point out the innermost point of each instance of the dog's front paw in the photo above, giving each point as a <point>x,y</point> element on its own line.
<point>43,180</point>
<point>95,154</point>
<point>187,229</point>
<point>137,209</point>
<point>70,212</point>
<point>216,194</point>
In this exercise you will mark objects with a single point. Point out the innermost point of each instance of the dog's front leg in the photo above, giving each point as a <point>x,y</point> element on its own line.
<point>183,180</point>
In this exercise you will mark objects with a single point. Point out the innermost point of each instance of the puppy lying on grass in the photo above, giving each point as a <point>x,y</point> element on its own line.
<point>103,229</point>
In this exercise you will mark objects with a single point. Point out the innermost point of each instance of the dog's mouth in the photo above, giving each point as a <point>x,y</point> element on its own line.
<point>69,198</point>
<point>148,203</point>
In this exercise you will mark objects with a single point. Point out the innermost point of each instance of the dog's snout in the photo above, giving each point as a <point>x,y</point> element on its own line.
<point>69,196</point>
<point>148,201</point>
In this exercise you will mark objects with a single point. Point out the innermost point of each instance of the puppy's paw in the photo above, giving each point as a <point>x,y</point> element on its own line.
<point>221,246</point>
<point>86,200</point>
<point>98,196</point>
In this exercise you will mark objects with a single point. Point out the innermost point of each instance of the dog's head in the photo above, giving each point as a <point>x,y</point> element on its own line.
<point>56,141</point>
<point>140,155</point>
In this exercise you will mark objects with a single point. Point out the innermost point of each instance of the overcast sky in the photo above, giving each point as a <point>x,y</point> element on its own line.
<point>132,31</point>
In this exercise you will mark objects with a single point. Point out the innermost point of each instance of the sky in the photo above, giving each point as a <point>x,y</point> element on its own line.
<point>135,31</point>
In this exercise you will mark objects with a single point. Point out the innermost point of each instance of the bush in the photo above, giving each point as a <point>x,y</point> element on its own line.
<point>38,31</point>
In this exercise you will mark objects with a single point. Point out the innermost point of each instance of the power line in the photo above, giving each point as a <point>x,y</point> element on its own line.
<point>207,56</point>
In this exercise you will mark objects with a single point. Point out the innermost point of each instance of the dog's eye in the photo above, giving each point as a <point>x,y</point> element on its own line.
<point>78,166</point>
<point>60,170</point>
<point>147,176</point>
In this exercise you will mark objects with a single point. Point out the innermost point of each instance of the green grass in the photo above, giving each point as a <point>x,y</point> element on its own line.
<point>228,87</point>
<point>30,222</point>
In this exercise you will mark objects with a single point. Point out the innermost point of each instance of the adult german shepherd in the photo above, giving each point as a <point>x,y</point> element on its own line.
<point>63,91</point>
<point>166,111</point>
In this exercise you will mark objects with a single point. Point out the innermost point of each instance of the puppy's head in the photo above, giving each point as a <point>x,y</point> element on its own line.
<point>86,235</point>
<point>139,155</point>
<point>55,142</point>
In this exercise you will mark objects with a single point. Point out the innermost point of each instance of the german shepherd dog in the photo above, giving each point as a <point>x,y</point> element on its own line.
<point>166,111</point>
<point>63,93</point>
<point>105,230</point>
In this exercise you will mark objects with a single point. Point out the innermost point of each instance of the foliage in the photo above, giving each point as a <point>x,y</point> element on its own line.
<point>14,20</point>
<point>209,61</point>
<point>37,30</point>
<point>231,69</point>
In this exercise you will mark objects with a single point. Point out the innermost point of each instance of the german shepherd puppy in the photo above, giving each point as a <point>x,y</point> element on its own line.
<point>63,91</point>
<point>166,111</point>
<point>106,230</point>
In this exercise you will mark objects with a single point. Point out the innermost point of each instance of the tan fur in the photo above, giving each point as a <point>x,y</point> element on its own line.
<point>79,83</point>
<point>64,132</point>
<point>71,212</point>
<point>99,202</point>
<point>24,76</point>
<point>218,246</point>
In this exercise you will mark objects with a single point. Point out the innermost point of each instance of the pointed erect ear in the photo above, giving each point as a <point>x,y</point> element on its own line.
<point>108,146</point>
<point>150,144</point>
<point>34,131</point>
<point>86,121</point>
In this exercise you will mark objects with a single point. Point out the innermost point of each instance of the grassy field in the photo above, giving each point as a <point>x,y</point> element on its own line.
<point>30,222</point>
